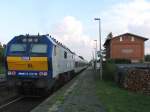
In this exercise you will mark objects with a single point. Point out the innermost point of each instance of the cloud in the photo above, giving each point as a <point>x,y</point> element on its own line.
<point>132,16</point>
<point>70,32</point>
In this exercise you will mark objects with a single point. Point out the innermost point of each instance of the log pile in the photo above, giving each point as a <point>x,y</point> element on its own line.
<point>137,80</point>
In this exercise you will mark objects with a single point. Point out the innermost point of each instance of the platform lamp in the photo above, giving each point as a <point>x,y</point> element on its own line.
<point>95,54</point>
<point>99,20</point>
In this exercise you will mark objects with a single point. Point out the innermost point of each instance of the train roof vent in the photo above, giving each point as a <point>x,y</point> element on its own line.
<point>27,34</point>
<point>47,34</point>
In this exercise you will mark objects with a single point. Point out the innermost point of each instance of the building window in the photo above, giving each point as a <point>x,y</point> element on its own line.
<point>132,38</point>
<point>121,39</point>
<point>65,54</point>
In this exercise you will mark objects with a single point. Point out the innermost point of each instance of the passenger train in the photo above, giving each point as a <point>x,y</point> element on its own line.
<point>40,62</point>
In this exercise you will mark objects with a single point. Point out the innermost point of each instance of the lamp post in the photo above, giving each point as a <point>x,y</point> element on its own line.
<point>99,20</point>
<point>95,54</point>
<point>93,59</point>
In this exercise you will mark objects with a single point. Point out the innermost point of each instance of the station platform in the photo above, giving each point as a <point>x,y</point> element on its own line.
<point>79,95</point>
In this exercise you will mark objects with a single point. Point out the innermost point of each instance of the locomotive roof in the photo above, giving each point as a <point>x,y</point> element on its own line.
<point>59,44</point>
<point>53,40</point>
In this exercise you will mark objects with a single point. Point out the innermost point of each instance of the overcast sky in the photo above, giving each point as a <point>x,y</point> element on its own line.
<point>72,21</point>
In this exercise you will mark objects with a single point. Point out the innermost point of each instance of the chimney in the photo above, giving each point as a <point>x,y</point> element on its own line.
<point>110,36</point>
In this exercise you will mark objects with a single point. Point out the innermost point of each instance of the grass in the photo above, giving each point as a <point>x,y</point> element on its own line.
<point>116,99</point>
<point>61,98</point>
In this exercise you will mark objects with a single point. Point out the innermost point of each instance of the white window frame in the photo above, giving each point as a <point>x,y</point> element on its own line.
<point>121,39</point>
<point>132,39</point>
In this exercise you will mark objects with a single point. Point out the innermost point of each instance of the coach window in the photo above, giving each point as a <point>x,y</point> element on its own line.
<point>76,64</point>
<point>65,54</point>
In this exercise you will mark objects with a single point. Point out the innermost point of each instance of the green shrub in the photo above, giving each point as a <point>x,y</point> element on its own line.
<point>147,57</point>
<point>119,61</point>
<point>2,55</point>
<point>109,70</point>
<point>1,60</point>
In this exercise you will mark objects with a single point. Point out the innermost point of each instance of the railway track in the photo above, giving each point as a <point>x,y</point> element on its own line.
<point>21,104</point>
<point>8,103</point>
<point>11,102</point>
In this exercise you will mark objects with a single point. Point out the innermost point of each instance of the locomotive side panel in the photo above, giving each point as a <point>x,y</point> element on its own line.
<point>63,60</point>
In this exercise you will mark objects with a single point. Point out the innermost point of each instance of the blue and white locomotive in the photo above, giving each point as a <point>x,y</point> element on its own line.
<point>39,61</point>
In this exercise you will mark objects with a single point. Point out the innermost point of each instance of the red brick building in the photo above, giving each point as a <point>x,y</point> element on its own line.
<point>125,46</point>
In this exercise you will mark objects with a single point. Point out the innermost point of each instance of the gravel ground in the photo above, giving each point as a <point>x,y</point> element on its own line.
<point>78,96</point>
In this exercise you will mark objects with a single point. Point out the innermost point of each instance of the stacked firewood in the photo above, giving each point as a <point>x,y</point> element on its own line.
<point>137,80</point>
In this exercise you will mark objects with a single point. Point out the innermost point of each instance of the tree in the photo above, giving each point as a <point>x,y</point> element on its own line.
<point>2,49</point>
<point>147,57</point>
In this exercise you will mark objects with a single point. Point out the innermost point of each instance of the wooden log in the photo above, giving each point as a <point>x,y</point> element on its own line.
<point>137,80</point>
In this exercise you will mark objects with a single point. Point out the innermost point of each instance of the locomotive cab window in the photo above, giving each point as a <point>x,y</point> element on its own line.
<point>18,48</point>
<point>38,48</point>
<point>65,54</point>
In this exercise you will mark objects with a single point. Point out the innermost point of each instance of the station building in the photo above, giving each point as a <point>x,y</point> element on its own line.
<point>125,46</point>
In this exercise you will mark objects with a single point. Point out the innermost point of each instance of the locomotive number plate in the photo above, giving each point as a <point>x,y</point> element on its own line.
<point>25,58</point>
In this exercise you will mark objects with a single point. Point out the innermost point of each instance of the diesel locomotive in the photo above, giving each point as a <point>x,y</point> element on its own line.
<point>39,62</point>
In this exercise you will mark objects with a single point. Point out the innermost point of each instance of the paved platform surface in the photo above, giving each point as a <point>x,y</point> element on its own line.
<point>78,96</point>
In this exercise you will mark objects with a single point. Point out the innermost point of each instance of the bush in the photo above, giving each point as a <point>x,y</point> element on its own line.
<point>2,55</point>
<point>147,57</point>
<point>120,61</point>
<point>109,70</point>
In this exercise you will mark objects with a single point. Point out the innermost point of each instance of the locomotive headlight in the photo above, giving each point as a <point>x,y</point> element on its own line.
<point>42,73</point>
<point>45,73</point>
<point>11,73</point>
